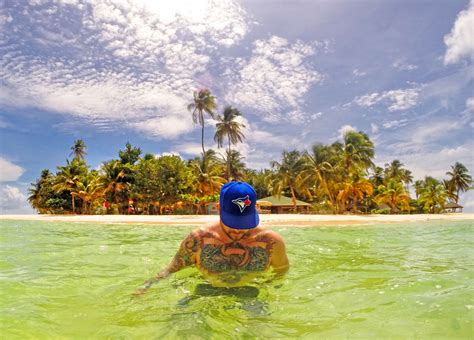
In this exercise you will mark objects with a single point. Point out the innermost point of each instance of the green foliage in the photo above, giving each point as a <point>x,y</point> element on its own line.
<point>338,177</point>
<point>130,155</point>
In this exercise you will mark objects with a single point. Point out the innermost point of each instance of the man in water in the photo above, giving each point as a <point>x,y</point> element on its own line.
<point>233,251</point>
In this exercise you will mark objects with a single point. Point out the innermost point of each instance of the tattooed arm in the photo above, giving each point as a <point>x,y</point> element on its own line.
<point>186,256</point>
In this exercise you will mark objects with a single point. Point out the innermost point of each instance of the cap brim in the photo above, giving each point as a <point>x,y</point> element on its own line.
<point>249,221</point>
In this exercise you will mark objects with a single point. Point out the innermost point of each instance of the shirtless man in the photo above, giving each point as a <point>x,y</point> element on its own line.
<point>234,250</point>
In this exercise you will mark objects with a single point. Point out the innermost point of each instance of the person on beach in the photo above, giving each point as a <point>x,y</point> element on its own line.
<point>234,250</point>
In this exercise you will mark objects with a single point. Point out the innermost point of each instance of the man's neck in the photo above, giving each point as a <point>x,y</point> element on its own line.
<point>234,236</point>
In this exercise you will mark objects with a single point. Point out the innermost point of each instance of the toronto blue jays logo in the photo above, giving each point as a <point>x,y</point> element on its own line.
<point>242,202</point>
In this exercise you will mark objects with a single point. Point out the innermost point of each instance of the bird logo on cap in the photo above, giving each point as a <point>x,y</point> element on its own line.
<point>242,202</point>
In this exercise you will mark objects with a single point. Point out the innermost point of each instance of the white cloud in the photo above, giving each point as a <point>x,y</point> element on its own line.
<point>13,201</point>
<point>193,149</point>
<point>395,123</point>
<point>460,41</point>
<point>374,128</point>
<point>274,80</point>
<point>403,66</point>
<point>398,100</point>
<point>358,73</point>
<point>118,63</point>
<point>9,172</point>
<point>368,100</point>
<point>456,151</point>
<point>434,131</point>
<point>470,104</point>
<point>345,129</point>
<point>430,162</point>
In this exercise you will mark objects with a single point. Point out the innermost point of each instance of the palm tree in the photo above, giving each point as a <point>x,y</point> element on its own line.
<point>36,191</point>
<point>288,175</point>
<point>377,176</point>
<point>394,170</point>
<point>354,190</point>
<point>318,168</point>
<point>394,195</point>
<point>78,149</point>
<point>130,155</point>
<point>204,102</point>
<point>90,190</point>
<point>228,127</point>
<point>433,196</point>
<point>460,179</point>
<point>407,178</point>
<point>113,180</point>
<point>234,164</point>
<point>69,178</point>
<point>207,170</point>
<point>357,152</point>
<point>419,185</point>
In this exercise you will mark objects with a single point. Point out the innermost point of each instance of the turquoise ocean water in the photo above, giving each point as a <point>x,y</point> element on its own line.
<point>72,280</point>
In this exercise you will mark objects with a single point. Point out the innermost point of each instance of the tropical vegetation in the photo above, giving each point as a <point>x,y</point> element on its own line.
<point>340,177</point>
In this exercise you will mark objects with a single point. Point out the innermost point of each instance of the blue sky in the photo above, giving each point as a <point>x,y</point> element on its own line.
<point>300,71</point>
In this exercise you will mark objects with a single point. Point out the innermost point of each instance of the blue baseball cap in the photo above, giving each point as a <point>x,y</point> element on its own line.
<point>238,202</point>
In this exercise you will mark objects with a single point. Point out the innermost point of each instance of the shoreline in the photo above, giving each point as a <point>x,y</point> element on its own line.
<point>296,220</point>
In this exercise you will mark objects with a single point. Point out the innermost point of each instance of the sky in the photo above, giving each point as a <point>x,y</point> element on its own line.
<point>301,72</point>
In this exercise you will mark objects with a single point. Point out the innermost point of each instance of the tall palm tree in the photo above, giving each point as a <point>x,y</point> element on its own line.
<point>407,178</point>
<point>228,127</point>
<point>393,170</point>
<point>377,176</point>
<point>357,152</point>
<point>69,178</point>
<point>318,168</point>
<point>89,190</point>
<point>459,179</point>
<point>204,102</point>
<point>419,185</point>
<point>288,175</point>
<point>78,149</point>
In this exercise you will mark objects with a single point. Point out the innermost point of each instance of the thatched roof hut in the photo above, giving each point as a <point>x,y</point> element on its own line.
<point>452,206</point>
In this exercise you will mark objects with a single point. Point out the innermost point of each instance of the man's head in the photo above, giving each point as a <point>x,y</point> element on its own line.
<point>238,201</point>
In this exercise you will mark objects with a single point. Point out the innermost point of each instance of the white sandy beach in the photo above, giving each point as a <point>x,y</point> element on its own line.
<point>265,220</point>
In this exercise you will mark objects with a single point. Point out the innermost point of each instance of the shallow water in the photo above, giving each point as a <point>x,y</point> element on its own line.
<point>73,280</point>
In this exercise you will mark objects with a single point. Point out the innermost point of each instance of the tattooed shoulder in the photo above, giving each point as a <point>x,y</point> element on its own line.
<point>186,253</point>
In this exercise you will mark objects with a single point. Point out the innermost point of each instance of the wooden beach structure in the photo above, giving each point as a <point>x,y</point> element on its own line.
<point>281,205</point>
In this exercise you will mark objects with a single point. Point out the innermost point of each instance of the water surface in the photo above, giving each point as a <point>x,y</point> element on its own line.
<point>74,280</point>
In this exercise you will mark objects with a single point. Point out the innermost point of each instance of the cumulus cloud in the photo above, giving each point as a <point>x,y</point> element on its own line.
<point>131,64</point>
<point>345,129</point>
<point>274,80</point>
<point>9,172</point>
<point>459,42</point>
<point>397,100</point>
<point>13,201</point>
<point>421,163</point>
